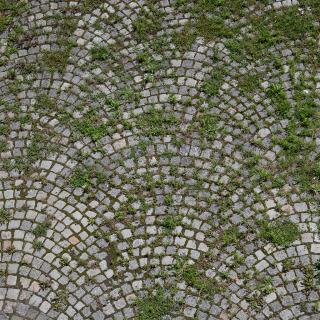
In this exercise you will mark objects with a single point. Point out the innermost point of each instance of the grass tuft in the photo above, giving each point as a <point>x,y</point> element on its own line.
<point>4,216</point>
<point>100,53</point>
<point>282,232</point>
<point>154,306</point>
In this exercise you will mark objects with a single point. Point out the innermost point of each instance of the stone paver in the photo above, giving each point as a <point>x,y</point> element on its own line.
<point>159,153</point>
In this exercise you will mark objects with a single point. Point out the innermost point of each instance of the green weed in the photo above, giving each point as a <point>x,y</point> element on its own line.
<point>80,179</point>
<point>231,236</point>
<point>5,216</point>
<point>90,126</point>
<point>212,85</point>
<point>278,98</point>
<point>191,275</point>
<point>60,301</point>
<point>42,228</point>
<point>208,125</point>
<point>154,306</point>
<point>4,129</point>
<point>169,224</point>
<point>37,245</point>
<point>85,177</point>
<point>147,23</point>
<point>282,232</point>
<point>4,146</point>
<point>55,61</point>
<point>99,53</point>
<point>309,276</point>
<point>249,83</point>
<point>155,122</point>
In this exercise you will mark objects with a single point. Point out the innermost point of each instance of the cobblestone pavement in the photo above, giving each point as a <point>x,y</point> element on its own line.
<point>159,159</point>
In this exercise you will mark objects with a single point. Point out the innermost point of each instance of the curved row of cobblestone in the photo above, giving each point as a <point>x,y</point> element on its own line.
<point>143,177</point>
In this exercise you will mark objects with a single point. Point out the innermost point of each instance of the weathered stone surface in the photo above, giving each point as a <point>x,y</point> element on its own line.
<point>159,144</point>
